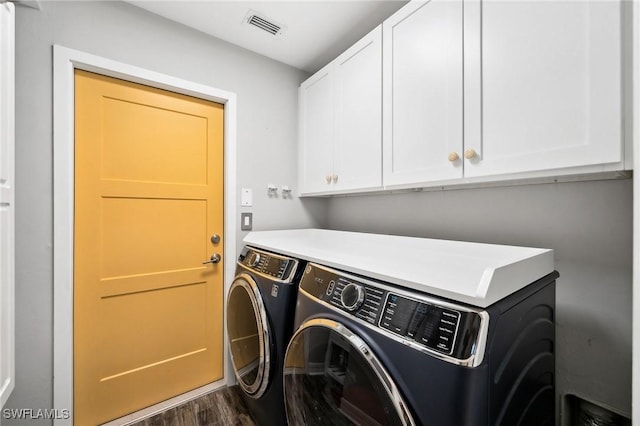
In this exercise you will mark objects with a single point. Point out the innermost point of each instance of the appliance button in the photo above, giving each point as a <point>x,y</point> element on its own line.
<point>332,285</point>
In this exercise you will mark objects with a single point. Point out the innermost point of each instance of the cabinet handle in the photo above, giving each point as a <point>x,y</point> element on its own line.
<point>328,178</point>
<point>335,178</point>
<point>470,153</point>
<point>453,157</point>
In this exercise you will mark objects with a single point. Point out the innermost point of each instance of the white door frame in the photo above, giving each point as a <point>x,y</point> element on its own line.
<point>65,61</point>
<point>7,202</point>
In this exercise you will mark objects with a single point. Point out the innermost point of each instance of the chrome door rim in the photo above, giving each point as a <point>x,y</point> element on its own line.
<point>402,410</point>
<point>262,380</point>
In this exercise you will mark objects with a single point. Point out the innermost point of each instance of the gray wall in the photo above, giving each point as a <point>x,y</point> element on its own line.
<point>266,138</point>
<point>588,224</point>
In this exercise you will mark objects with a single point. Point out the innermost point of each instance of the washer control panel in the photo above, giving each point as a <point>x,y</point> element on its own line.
<point>430,325</point>
<point>269,264</point>
<point>434,324</point>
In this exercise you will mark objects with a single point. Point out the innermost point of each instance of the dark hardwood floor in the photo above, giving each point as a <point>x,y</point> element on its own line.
<point>224,407</point>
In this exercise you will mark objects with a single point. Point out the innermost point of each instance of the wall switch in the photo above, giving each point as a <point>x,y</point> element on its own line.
<point>246,221</point>
<point>246,197</point>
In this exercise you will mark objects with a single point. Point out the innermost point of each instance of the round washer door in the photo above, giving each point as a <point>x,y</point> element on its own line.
<point>249,337</point>
<point>331,376</point>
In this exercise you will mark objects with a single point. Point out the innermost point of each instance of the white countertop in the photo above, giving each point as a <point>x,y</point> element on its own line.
<point>473,273</point>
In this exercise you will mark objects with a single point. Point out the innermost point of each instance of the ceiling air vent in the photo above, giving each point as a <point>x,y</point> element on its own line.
<point>262,22</point>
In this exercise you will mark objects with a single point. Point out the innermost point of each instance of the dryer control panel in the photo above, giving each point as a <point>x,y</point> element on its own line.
<point>271,265</point>
<point>437,326</point>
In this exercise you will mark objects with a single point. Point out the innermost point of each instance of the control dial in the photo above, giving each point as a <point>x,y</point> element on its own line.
<point>254,258</point>
<point>352,296</point>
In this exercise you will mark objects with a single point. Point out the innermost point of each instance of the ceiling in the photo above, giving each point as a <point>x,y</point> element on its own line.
<point>314,32</point>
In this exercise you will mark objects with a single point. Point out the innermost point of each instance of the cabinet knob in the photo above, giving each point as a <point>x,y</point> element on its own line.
<point>453,157</point>
<point>470,153</point>
<point>335,178</point>
<point>328,178</point>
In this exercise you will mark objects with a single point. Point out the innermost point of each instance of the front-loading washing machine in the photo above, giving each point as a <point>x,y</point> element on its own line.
<point>260,311</point>
<point>371,352</point>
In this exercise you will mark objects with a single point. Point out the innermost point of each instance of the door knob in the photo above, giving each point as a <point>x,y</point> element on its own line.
<point>453,157</point>
<point>215,258</point>
<point>215,238</point>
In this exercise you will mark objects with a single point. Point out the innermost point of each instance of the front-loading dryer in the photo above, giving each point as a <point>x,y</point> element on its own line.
<point>260,311</point>
<point>368,352</point>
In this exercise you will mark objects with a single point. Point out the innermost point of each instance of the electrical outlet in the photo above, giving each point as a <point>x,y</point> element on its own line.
<point>246,221</point>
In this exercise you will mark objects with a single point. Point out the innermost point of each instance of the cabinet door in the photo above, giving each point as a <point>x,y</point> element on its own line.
<point>542,85</point>
<point>358,121</point>
<point>316,132</point>
<point>423,92</point>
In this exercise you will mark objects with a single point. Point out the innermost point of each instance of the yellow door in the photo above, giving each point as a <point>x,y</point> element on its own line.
<point>148,199</point>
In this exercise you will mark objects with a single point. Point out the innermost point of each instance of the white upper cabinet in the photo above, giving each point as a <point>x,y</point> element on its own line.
<point>473,91</point>
<point>423,92</point>
<point>358,131</point>
<point>542,85</point>
<point>341,122</point>
<point>485,90</point>
<point>316,131</point>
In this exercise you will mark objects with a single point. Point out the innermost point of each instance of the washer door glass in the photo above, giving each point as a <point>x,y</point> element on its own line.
<point>248,332</point>
<point>331,377</point>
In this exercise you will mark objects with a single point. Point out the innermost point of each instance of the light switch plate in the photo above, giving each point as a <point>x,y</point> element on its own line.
<point>246,221</point>
<point>246,197</point>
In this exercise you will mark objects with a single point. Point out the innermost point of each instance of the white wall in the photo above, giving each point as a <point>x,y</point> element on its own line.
<point>266,139</point>
<point>588,224</point>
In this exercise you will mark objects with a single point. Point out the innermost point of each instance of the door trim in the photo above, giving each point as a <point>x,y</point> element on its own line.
<point>65,61</point>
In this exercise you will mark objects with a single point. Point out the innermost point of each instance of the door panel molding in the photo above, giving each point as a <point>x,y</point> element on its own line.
<point>65,61</point>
